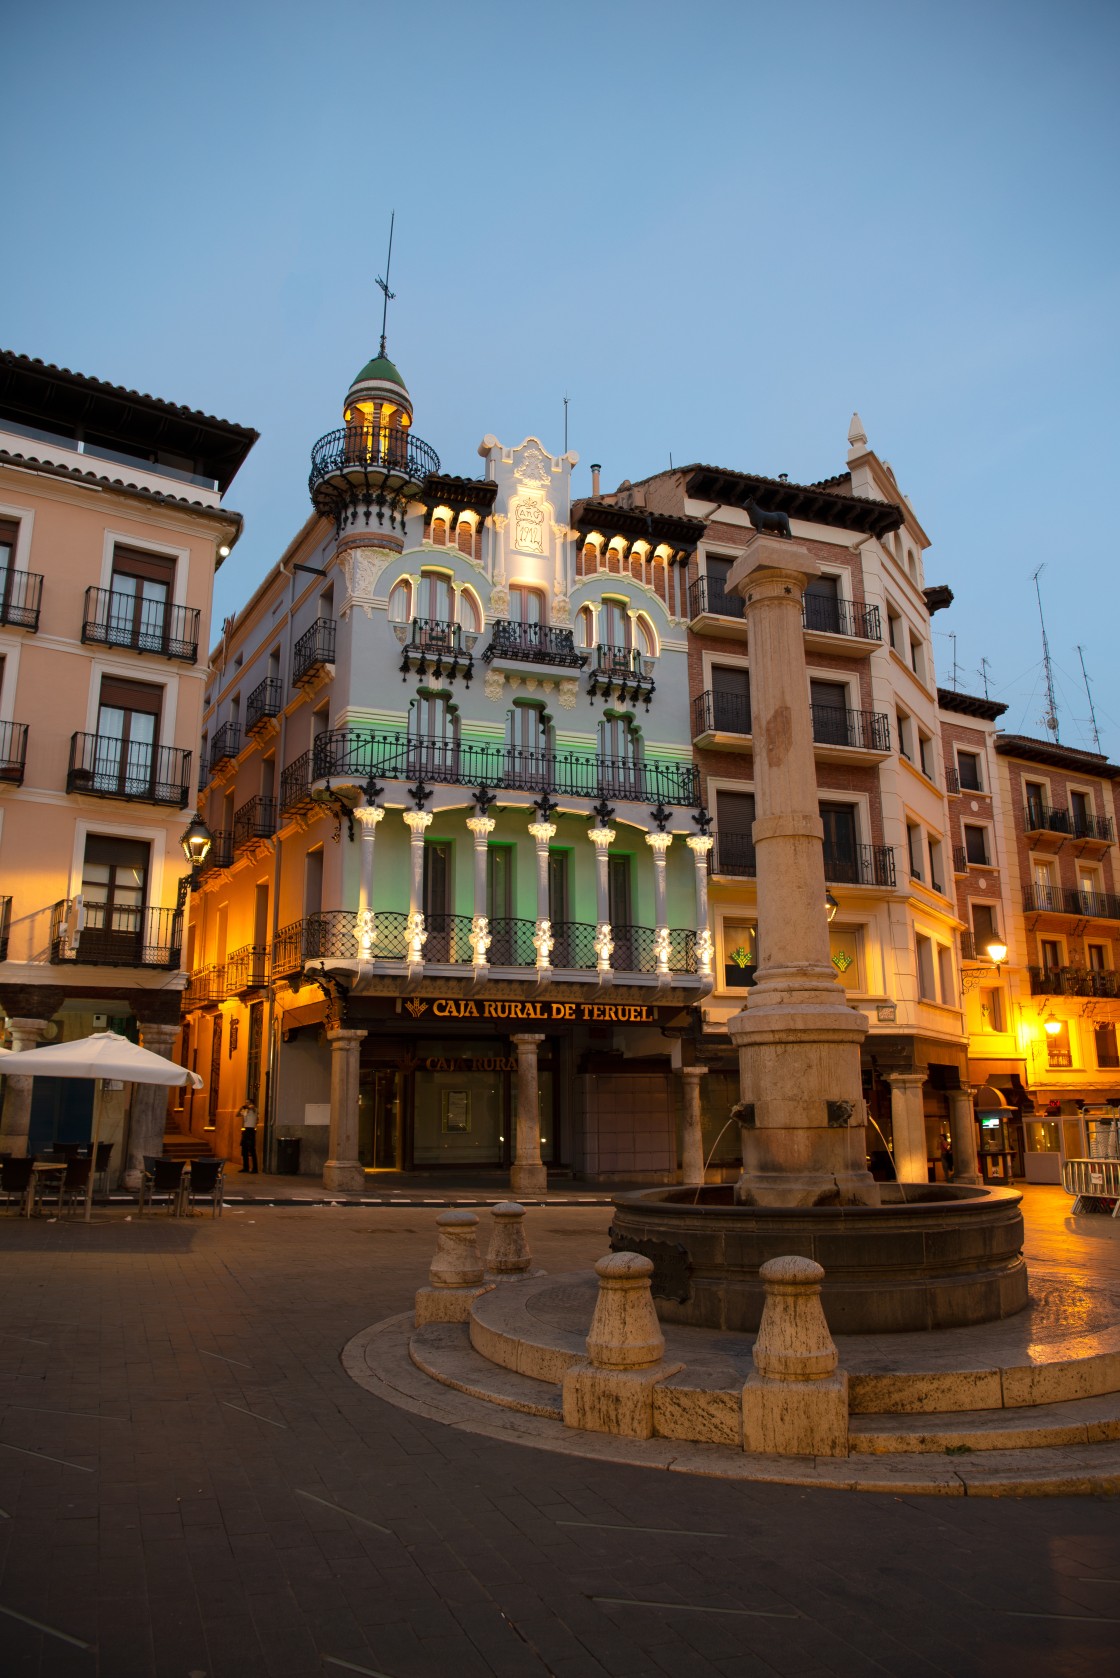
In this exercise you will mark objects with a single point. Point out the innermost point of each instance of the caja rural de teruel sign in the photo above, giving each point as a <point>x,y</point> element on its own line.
<point>466,1008</point>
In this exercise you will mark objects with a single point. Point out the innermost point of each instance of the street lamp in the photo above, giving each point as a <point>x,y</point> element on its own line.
<point>196,843</point>
<point>1051,1027</point>
<point>830,904</point>
<point>996,952</point>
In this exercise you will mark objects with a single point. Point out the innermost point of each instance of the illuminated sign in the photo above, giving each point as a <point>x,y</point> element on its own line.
<point>600,1013</point>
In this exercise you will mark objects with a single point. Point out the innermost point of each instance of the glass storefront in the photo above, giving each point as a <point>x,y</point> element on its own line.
<point>450,1103</point>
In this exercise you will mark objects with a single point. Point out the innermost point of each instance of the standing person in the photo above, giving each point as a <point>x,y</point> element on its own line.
<point>248,1116</point>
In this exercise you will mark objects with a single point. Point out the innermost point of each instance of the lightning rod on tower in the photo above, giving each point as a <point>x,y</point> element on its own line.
<point>1050,720</point>
<point>1089,697</point>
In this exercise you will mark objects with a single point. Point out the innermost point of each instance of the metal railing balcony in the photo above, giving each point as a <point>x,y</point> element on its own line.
<point>438,647</point>
<point>208,985</point>
<point>1074,981</point>
<point>356,451</point>
<point>960,860</point>
<point>256,819</point>
<point>107,767</point>
<point>860,865</point>
<point>733,853</point>
<point>841,617</point>
<point>1062,900</point>
<point>221,852</point>
<point>622,672</point>
<point>114,935</point>
<point>706,595</point>
<point>295,785</point>
<point>720,713</point>
<point>952,781</point>
<point>266,700</point>
<point>968,947</point>
<point>247,968</point>
<point>314,649</point>
<point>5,926</point>
<point>865,731</point>
<point>1045,900</point>
<point>1045,818</point>
<point>21,595</point>
<point>143,626</point>
<point>534,643</point>
<point>1086,826</point>
<point>355,753</point>
<point>225,745</point>
<point>13,753</point>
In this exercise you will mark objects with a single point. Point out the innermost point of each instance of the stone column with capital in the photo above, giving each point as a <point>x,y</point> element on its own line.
<point>908,1127</point>
<point>659,844</point>
<point>798,1037</point>
<point>700,845</point>
<point>602,838</point>
<point>529,1175</point>
<point>692,1138</point>
<point>15,1122</point>
<point>543,938</point>
<point>481,827</point>
<point>365,930</point>
<point>416,933</point>
<point>147,1121</point>
<point>343,1170</point>
<point>962,1130</point>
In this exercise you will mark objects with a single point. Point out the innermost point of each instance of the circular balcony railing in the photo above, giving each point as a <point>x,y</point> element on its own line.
<point>379,471</point>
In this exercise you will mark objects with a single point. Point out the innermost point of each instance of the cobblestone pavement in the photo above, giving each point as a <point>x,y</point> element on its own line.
<point>191,1486</point>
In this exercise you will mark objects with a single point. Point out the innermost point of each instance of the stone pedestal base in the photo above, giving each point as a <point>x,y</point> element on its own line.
<point>796,1418</point>
<point>344,1176</point>
<point>529,1179</point>
<point>446,1305</point>
<point>613,1400</point>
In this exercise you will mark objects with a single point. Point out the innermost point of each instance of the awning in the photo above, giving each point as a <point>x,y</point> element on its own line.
<point>294,1019</point>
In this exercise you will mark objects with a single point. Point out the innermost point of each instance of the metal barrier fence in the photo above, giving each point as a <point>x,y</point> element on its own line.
<point>1096,1184</point>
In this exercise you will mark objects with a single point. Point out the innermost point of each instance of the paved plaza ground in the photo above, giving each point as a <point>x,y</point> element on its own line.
<point>191,1486</point>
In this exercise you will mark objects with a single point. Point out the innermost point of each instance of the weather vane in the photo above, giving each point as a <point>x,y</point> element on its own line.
<point>383,284</point>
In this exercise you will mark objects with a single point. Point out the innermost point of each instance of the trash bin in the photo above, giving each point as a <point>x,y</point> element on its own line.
<point>287,1156</point>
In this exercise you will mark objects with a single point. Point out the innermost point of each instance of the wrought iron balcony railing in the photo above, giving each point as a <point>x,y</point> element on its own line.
<point>1074,981</point>
<point>247,968</point>
<point>856,865</point>
<point>5,926</point>
<point>621,673</point>
<point>314,649</point>
<point>21,594</point>
<point>1045,900</point>
<point>255,820</point>
<point>13,753</point>
<point>733,853</point>
<point>113,619</point>
<point>865,731</point>
<point>438,648</point>
<point>722,713</point>
<point>960,860</point>
<point>968,947</point>
<point>295,785</point>
<point>225,745</point>
<point>841,617</point>
<point>131,769</point>
<point>534,643</point>
<point>1086,826</point>
<point>1061,900</point>
<point>266,700</point>
<point>952,781</point>
<point>221,852</point>
<point>706,595</point>
<point>355,753</point>
<point>1045,818</point>
<point>358,452</point>
<point>115,935</point>
<point>209,985</point>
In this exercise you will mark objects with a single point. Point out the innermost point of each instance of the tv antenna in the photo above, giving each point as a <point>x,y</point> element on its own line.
<point>985,667</point>
<point>565,424</point>
<point>383,284</point>
<point>1089,697</point>
<point>956,666</point>
<point>1050,720</point>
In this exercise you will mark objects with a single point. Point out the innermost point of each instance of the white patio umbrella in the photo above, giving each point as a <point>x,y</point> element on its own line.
<point>105,1054</point>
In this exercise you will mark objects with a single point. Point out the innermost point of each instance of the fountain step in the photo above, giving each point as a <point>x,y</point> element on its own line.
<point>1082,1421</point>
<point>444,1351</point>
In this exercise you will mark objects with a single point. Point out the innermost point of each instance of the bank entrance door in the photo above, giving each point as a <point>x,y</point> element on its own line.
<point>451,1104</point>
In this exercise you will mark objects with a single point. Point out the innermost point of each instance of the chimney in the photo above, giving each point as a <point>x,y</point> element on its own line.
<point>596,468</point>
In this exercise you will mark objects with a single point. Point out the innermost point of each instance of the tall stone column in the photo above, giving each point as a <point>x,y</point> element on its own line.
<point>797,1036</point>
<point>147,1122</point>
<point>962,1129</point>
<point>15,1122</point>
<point>659,844</point>
<point>481,827</point>
<point>343,1170</point>
<point>365,930</point>
<point>543,938</point>
<point>602,838</point>
<point>418,822</point>
<point>529,1175</point>
<point>700,845</point>
<point>908,1125</point>
<point>692,1137</point>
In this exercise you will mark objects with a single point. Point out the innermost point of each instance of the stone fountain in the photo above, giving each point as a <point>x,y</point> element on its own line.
<point>896,1256</point>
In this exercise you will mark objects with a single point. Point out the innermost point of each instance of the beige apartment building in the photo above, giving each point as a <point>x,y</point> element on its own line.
<point>111,529</point>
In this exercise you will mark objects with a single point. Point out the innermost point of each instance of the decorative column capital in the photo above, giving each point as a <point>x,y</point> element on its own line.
<point>527,1041</point>
<point>418,821</point>
<point>659,843</point>
<point>345,1037</point>
<point>601,837</point>
<point>700,844</point>
<point>369,815</point>
<point>693,1073</point>
<point>480,826</point>
<point>543,831</point>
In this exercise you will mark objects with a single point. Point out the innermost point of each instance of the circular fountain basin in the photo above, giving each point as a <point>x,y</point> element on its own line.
<point>932,1255</point>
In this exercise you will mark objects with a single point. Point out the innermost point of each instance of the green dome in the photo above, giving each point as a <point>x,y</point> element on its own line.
<point>381,369</point>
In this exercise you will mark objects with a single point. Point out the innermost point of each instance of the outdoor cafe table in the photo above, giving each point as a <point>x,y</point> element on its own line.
<point>40,1170</point>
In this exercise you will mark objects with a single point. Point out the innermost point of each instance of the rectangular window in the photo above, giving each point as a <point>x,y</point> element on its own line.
<point>734,841</point>
<point>1036,804</point>
<point>313,881</point>
<point>822,605</point>
<point>114,895</point>
<point>968,771</point>
<point>731,699</point>
<point>740,954</point>
<point>499,904</point>
<point>894,629</point>
<point>1104,1042</point>
<point>1098,957</point>
<point>1081,809</point>
<point>559,905</point>
<point>914,849</point>
<point>526,605</point>
<point>1051,953</point>
<point>254,1052</point>
<point>437,899</point>
<point>945,977</point>
<point>127,736</point>
<point>841,848</point>
<point>213,1087</point>
<point>139,596</point>
<point>984,928</point>
<point>905,735</point>
<point>927,984</point>
<point>620,899</point>
<point>935,869</point>
<point>991,1009</point>
<point>917,658</point>
<point>845,948</point>
<point>976,844</point>
<point>925,755</point>
<point>1058,1050</point>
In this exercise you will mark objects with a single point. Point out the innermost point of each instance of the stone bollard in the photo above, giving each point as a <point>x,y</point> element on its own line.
<point>796,1402</point>
<point>508,1255</point>
<point>455,1276</point>
<point>613,1392</point>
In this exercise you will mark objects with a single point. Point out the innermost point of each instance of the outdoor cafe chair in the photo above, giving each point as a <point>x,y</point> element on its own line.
<point>75,1180</point>
<point>15,1178</point>
<point>165,1177</point>
<point>207,1180</point>
<point>101,1169</point>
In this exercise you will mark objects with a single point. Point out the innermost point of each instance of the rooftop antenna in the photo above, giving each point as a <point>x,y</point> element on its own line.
<point>1050,720</point>
<point>565,424</point>
<point>1089,697</point>
<point>670,460</point>
<point>956,667</point>
<point>383,284</point>
<point>985,667</point>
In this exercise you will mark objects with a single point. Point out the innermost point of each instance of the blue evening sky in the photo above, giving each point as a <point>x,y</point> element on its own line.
<point>717,227</point>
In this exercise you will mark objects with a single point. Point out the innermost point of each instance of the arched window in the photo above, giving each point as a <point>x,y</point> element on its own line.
<point>585,627</point>
<point>529,740</point>
<point>435,597</point>
<point>470,611</point>
<point>464,535</point>
<point>439,532</point>
<point>614,624</point>
<point>400,601</point>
